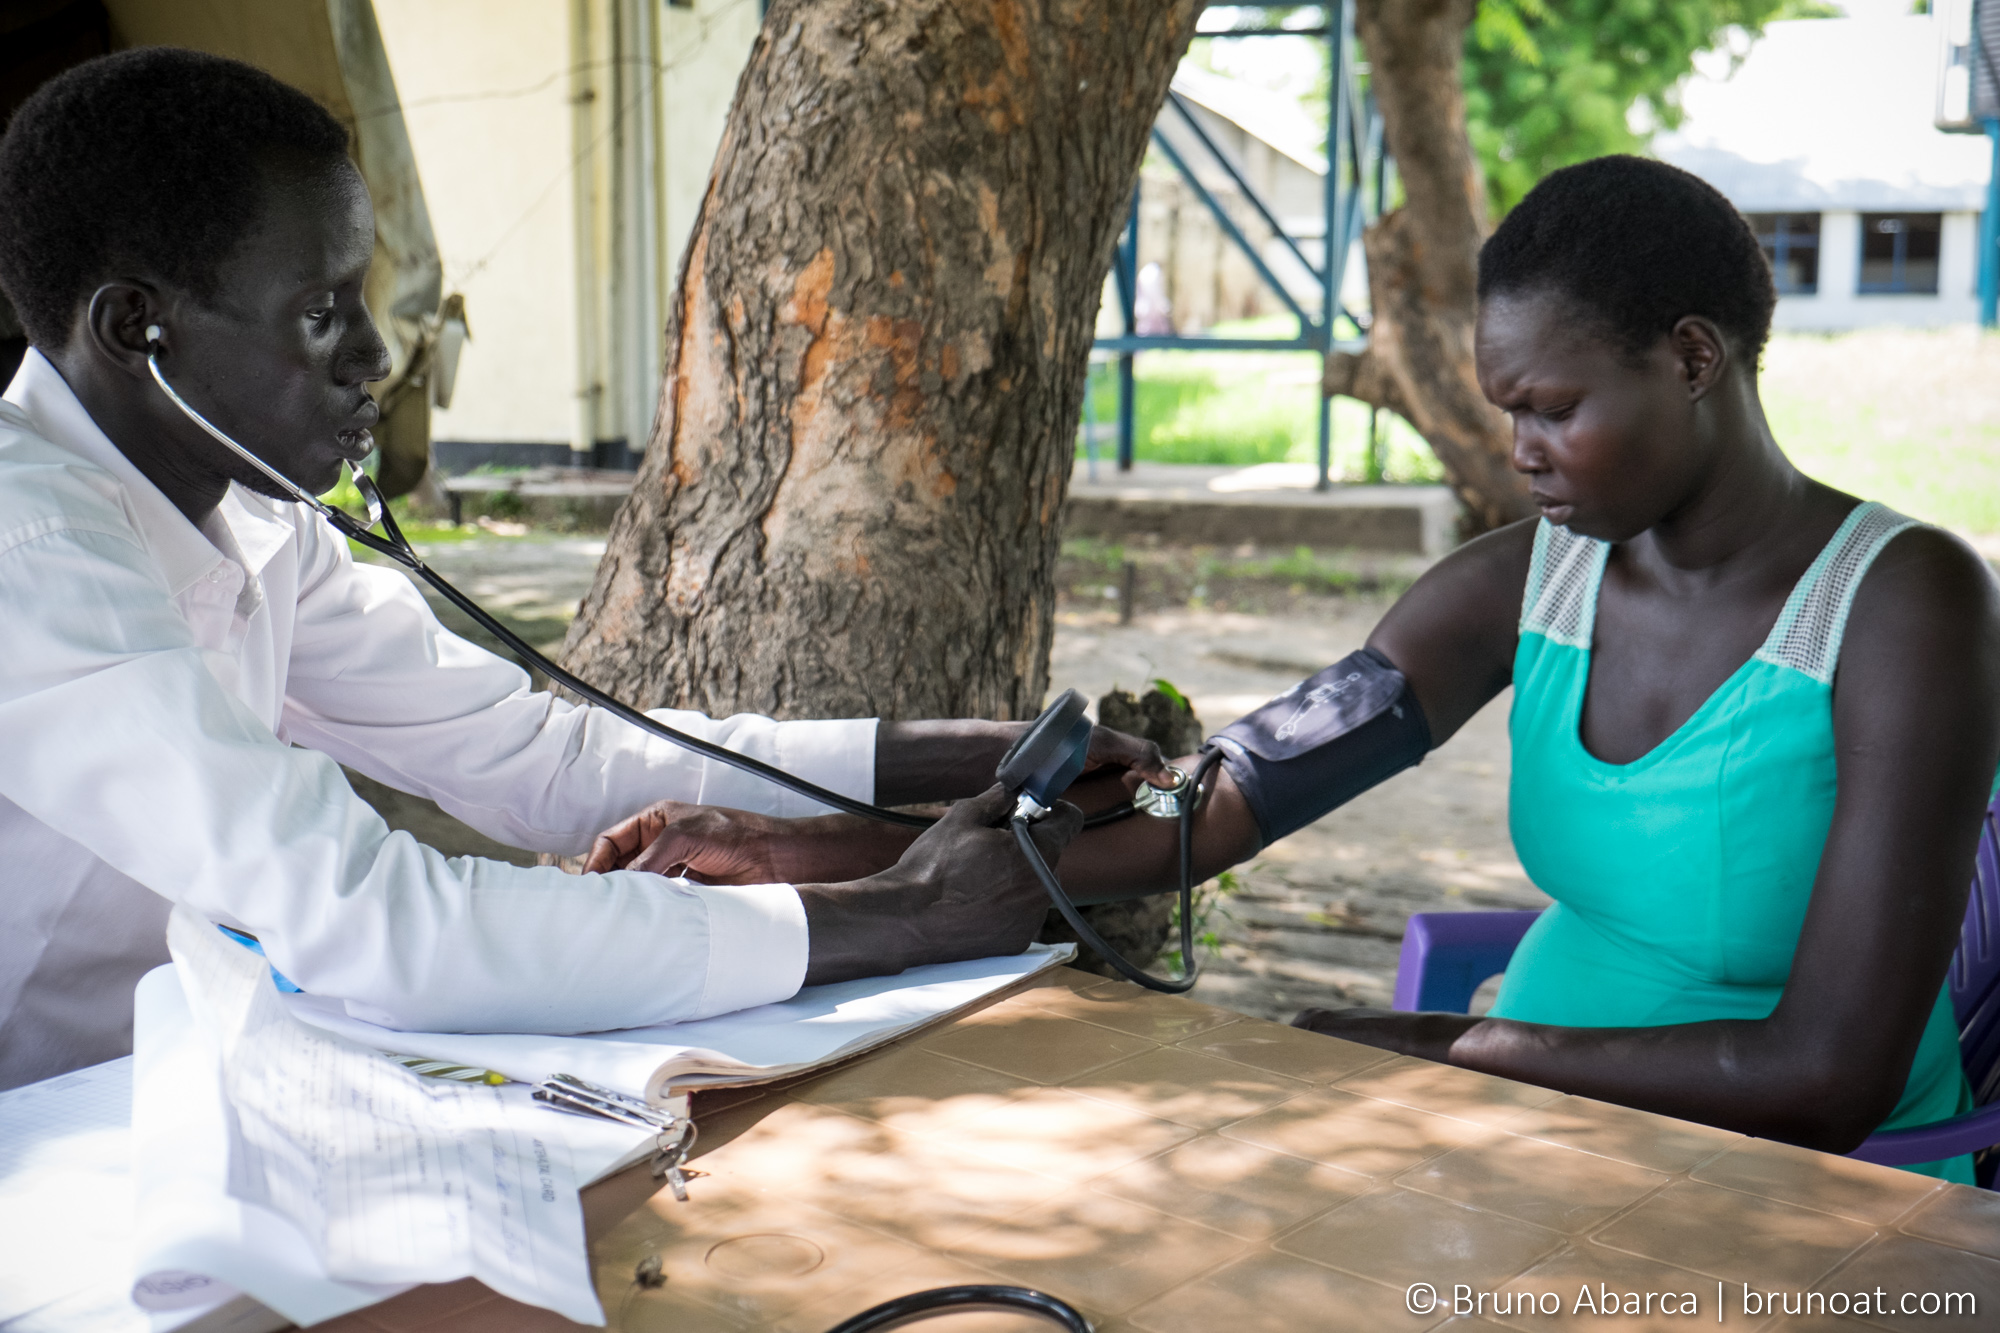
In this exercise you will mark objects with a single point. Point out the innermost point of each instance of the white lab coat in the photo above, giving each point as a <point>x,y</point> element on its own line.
<point>157,683</point>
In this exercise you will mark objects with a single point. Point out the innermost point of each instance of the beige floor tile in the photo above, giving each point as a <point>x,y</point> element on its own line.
<point>662,1218</point>
<point>1291,1051</point>
<point>1619,1132</point>
<point>1959,1216</point>
<point>1036,1045</point>
<point>931,1271</point>
<point>1124,1007</point>
<point>931,1190</point>
<point>1234,1187</point>
<point>1277,1293</point>
<point>1445,1090</point>
<point>1903,1267</point>
<point>418,1308</point>
<point>1551,1186</point>
<point>632,1308</point>
<point>1735,1237</point>
<point>763,1263</point>
<point>1838,1185</point>
<point>1598,1290</point>
<point>1065,1137</point>
<point>1097,1252</point>
<point>1358,1134</point>
<point>1187,1087</point>
<point>912,1088</point>
<point>1397,1237</point>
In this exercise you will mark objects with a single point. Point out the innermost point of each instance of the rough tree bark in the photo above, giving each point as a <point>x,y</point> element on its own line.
<point>1423,259</point>
<point>850,499</point>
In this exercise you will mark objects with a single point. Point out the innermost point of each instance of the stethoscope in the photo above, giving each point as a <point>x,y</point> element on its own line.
<point>1036,770</point>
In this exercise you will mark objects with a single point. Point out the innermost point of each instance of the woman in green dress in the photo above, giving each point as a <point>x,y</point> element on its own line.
<point>1755,721</point>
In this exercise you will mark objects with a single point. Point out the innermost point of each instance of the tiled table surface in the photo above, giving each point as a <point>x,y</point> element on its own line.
<point>1172,1168</point>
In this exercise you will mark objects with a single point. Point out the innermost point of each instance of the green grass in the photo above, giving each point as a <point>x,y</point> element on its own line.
<point>1950,475</point>
<point>421,531</point>
<point>1910,417</point>
<point>1236,409</point>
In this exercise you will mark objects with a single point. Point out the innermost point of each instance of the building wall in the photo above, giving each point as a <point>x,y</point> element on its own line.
<point>702,53</point>
<point>485,96</point>
<point>520,115</point>
<point>1837,305</point>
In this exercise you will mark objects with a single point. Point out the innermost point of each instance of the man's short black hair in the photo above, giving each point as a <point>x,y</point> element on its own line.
<point>145,164</point>
<point>1639,244</point>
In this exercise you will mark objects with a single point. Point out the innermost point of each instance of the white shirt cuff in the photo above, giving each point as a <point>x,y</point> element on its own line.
<point>838,754</point>
<point>756,946</point>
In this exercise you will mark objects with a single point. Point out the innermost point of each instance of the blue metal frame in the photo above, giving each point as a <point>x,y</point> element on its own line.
<point>1989,236</point>
<point>1354,140</point>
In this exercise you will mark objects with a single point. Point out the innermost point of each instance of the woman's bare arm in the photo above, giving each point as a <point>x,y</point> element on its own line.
<point>1452,635</point>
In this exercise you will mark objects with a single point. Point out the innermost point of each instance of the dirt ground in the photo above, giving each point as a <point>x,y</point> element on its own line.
<point>1318,918</point>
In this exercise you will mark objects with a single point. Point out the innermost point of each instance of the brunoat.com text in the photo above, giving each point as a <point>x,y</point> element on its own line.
<point>1600,1299</point>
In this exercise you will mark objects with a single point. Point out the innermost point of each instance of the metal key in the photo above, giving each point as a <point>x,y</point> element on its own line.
<point>567,1092</point>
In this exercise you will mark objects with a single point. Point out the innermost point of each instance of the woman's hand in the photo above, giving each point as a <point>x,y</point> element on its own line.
<point>716,845</point>
<point>1426,1036</point>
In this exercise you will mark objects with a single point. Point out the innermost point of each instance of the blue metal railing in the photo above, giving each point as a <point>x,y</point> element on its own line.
<point>1355,160</point>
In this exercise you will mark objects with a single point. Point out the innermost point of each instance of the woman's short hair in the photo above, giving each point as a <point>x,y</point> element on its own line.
<point>1639,244</point>
<point>144,164</point>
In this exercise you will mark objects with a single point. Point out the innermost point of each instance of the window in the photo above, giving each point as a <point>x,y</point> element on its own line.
<point>1899,252</point>
<point>1791,243</point>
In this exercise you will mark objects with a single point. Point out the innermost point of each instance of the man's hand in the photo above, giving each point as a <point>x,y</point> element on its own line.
<point>715,845</point>
<point>962,890</point>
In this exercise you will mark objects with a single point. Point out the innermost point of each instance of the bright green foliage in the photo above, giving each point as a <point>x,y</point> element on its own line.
<point>1551,82</point>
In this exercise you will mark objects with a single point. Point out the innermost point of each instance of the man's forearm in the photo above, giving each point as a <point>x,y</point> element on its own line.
<point>942,760</point>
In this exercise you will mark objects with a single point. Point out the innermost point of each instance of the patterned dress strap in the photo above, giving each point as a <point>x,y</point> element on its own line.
<point>1808,632</point>
<point>1560,599</point>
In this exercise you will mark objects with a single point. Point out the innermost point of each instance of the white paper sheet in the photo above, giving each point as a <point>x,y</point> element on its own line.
<point>818,1025</point>
<point>391,1178</point>
<point>65,1190</point>
<point>188,1223</point>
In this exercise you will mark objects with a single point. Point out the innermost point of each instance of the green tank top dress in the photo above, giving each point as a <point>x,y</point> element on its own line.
<point>1681,879</point>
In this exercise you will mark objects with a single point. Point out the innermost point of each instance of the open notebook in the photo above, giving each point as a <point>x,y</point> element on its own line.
<point>817,1026</point>
<point>215,1236</point>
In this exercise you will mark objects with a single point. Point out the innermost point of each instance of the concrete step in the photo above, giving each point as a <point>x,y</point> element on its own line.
<point>1271,504</point>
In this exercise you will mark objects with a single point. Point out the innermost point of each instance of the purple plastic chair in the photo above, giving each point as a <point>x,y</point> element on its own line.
<point>1447,955</point>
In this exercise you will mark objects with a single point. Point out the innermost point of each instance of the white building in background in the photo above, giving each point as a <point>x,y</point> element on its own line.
<point>1822,136</point>
<point>563,183</point>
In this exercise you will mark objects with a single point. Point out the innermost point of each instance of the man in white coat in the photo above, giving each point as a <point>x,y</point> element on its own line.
<point>187,656</point>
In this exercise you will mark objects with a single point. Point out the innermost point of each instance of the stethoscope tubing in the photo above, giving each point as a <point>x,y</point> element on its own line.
<point>1190,965</point>
<point>940,1300</point>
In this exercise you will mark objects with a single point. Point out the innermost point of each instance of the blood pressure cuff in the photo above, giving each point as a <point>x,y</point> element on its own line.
<point>1324,741</point>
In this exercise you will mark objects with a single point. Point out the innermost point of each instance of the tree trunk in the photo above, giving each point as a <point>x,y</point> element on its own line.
<point>850,500</point>
<point>1423,259</point>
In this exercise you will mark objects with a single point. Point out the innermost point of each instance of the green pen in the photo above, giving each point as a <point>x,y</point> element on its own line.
<point>429,1068</point>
